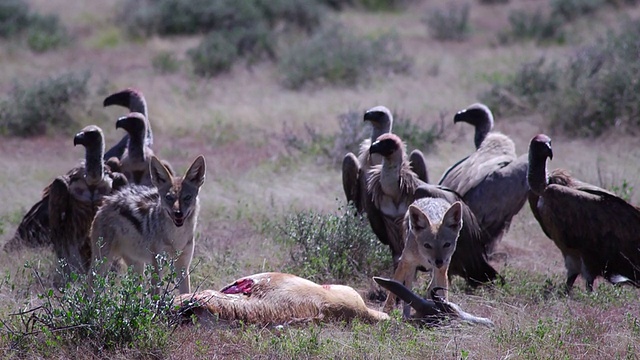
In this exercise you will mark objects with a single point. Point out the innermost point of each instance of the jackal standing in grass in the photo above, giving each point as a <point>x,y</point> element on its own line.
<point>432,229</point>
<point>141,222</point>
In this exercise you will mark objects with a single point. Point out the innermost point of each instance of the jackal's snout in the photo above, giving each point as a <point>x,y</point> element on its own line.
<point>178,217</point>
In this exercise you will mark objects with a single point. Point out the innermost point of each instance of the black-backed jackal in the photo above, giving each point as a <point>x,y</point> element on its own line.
<point>140,222</point>
<point>433,227</point>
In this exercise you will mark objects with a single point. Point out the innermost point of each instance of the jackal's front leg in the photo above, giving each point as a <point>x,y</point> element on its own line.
<point>182,265</point>
<point>404,274</point>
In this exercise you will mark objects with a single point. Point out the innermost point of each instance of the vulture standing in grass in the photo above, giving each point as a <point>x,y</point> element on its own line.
<point>493,180</point>
<point>74,199</point>
<point>392,187</point>
<point>135,160</point>
<point>133,100</point>
<point>355,169</point>
<point>597,232</point>
<point>33,230</point>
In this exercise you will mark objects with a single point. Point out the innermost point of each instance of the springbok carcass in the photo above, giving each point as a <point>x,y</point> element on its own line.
<point>276,298</point>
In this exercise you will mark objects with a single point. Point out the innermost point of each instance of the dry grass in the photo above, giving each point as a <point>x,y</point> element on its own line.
<point>236,120</point>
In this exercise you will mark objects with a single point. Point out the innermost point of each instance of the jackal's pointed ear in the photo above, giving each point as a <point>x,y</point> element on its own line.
<point>417,219</point>
<point>196,172</point>
<point>159,173</point>
<point>453,217</point>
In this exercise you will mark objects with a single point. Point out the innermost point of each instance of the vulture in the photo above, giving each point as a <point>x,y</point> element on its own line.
<point>431,311</point>
<point>493,179</point>
<point>134,162</point>
<point>392,187</point>
<point>33,230</point>
<point>75,197</point>
<point>133,100</point>
<point>597,232</point>
<point>355,169</point>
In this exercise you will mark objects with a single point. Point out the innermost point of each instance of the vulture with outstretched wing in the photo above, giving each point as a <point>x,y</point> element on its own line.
<point>597,232</point>
<point>493,180</point>
<point>355,169</point>
<point>33,230</point>
<point>74,199</point>
<point>392,187</point>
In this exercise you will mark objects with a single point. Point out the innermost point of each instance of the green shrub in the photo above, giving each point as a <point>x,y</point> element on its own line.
<point>533,26</point>
<point>165,62</point>
<point>175,17</point>
<point>383,5</point>
<point>14,17</point>
<point>594,90</point>
<point>215,54</point>
<point>330,247</point>
<point>121,312</point>
<point>46,33</point>
<point>572,9</point>
<point>334,56</point>
<point>38,107</point>
<point>450,24</point>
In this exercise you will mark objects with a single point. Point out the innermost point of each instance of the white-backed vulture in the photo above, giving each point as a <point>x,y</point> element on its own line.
<point>431,311</point>
<point>74,200</point>
<point>355,169</point>
<point>133,100</point>
<point>135,160</point>
<point>277,298</point>
<point>392,187</point>
<point>493,180</point>
<point>597,232</point>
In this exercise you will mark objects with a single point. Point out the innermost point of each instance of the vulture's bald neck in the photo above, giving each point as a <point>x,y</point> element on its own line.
<point>537,173</point>
<point>136,144</point>
<point>94,163</point>
<point>483,128</point>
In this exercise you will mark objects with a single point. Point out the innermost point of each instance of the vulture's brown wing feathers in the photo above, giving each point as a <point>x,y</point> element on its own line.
<point>59,205</point>
<point>351,173</point>
<point>604,227</point>
<point>376,220</point>
<point>33,230</point>
<point>419,165</point>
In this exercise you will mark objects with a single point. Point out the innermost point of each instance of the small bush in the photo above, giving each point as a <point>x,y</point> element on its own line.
<point>14,17</point>
<point>536,26</point>
<point>334,56</point>
<point>572,9</point>
<point>594,90</point>
<point>215,54</point>
<point>122,312</point>
<point>450,24</point>
<point>382,5</point>
<point>35,108</point>
<point>165,62</point>
<point>330,247</point>
<point>46,33</point>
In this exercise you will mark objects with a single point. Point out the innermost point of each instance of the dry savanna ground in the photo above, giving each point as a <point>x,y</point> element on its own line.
<point>243,121</point>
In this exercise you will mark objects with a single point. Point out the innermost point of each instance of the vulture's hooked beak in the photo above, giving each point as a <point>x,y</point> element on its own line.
<point>79,139</point>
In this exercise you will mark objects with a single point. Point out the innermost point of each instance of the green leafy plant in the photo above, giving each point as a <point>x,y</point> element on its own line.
<point>34,108</point>
<point>336,57</point>
<point>332,247</point>
<point>111,312</point>
<point>449,24</point>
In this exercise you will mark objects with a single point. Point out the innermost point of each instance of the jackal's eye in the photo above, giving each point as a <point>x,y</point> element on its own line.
<point>446,245</point>
<point>169,198</point>
<point>187,198</point>
<point>427,246</point>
